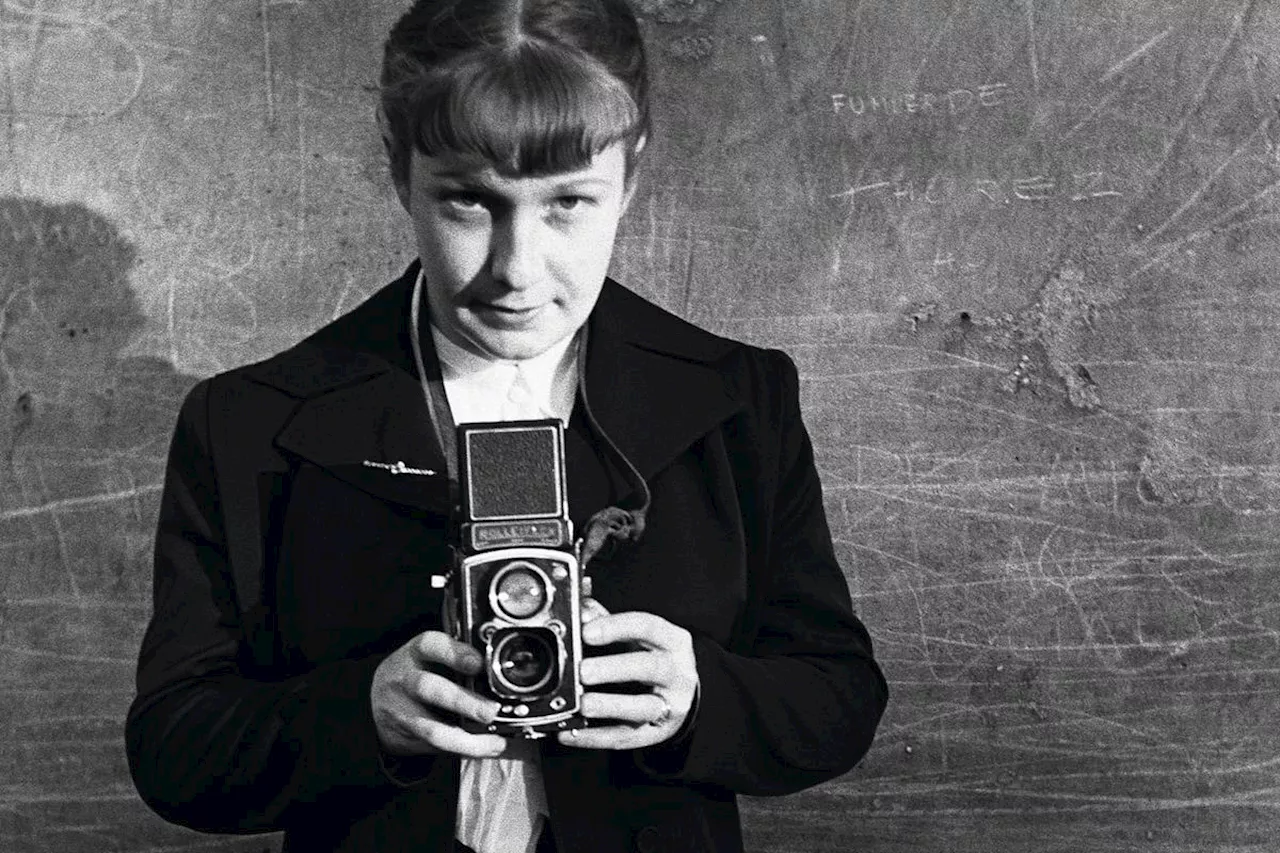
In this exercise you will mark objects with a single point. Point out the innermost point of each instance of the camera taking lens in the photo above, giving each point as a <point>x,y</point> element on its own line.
<point>524,661</point>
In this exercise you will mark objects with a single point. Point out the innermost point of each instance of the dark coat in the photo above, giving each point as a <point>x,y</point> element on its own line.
<point>286,570</point>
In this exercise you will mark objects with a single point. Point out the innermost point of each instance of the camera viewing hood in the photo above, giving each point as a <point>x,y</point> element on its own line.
<point>512,485</point>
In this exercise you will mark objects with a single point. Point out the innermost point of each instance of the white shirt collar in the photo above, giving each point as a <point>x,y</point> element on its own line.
<point>476,386</point>
<point>539,371</point>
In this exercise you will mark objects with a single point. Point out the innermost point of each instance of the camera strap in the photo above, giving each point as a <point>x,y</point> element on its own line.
<point>611,524</point>
<point>428,364</point>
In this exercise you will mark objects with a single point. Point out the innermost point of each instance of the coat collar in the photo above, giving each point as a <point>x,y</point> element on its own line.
<point>655,384</point>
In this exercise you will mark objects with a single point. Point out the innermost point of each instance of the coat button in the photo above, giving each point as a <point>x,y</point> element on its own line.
<point>648,840</point>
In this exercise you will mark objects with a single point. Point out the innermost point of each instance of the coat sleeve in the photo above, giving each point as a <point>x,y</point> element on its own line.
<point>213,743</point>
<point>799,702</point>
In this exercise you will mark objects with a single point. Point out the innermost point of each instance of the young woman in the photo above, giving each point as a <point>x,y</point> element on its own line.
<point>296,675</point>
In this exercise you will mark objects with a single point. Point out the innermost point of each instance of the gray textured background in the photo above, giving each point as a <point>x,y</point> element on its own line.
<point>1026,261</point>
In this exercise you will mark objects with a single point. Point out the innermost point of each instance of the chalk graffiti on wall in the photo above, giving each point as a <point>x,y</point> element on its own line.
<point>898,186</point>
<point>951,102</point>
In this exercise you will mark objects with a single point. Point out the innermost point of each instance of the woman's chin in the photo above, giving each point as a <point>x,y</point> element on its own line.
<point>511,345</point>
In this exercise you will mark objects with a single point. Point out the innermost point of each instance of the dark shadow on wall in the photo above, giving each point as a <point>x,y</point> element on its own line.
<point>66,311</point>
<point>83,437</point>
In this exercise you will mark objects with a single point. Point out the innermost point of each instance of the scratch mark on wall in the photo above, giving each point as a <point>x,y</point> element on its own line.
<point>1032,50</point>
<point>171,317</point>
<point>891,494</point>
<point>852,30</point>
<point>339,305</point>
<point>1129,675</point>
<point>1252,63</point>
<point>1129,60</point>
<point>85,502</point>
<point>936,39</point>
<point>690,256</point>
<point>1191,200</point>
<point>1101,570</point>
<point>1216,227</point>
<point>1179,131</point>
<point>303,164</point>
<point>268,70</point>
<point>1150,735</point>
<point>1093,113</point>
<point>10,110</point>
<point>33,38</point>
<point>853,191</point>
<point>39,18</point>
<point>64,557</point>
<point>63,656</point>
<point>1166,646</point>
<point>58,602</point>
<point>129,797</point>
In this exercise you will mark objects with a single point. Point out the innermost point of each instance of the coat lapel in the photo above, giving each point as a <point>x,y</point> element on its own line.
<point>652,379</point>
<point>361,408</point>
<point>360,432</point>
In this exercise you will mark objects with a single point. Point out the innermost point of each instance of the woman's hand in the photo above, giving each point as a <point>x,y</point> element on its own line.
<point>409,700</point>
<point>663,659</point>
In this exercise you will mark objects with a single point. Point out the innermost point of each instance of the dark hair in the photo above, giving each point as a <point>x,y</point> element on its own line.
<point>531,87</point>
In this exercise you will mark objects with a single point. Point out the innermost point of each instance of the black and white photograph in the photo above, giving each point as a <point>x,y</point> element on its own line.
<point>639,426</point>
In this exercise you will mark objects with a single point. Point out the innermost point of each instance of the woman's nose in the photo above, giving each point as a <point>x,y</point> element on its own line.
<point>516,259</point>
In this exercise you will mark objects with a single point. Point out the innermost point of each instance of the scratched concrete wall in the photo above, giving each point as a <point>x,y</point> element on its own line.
<point>1024,252</point>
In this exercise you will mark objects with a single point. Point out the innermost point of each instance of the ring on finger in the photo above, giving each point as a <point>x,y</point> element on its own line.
<point>664,715</point>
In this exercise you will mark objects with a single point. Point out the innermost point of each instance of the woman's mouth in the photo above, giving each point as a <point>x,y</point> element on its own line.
<point>507,315</point>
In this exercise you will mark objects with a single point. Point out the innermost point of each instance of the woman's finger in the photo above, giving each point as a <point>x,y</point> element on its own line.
<point>628,708</point>
<point>592,609</point>
<point>613,737</point>
<point>442,737</point>
<point>644,667</point>
<point>434,647</point>
<point>436,692</point>
<point>644,628</point>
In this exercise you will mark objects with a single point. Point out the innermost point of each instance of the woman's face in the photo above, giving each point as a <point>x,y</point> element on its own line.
<point>514,265</point>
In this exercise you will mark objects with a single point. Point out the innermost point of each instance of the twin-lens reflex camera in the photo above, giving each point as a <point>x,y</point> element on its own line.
<point>515,589</point>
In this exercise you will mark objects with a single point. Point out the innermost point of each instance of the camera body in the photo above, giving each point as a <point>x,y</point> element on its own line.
<point>515,589</point>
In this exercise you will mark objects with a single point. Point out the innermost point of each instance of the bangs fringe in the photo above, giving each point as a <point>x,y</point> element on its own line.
<point>532,109</point>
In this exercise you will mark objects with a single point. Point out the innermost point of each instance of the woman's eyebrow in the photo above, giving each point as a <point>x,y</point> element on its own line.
<point>473,180</point>
<point>584,182</point>
<point>462,176</point>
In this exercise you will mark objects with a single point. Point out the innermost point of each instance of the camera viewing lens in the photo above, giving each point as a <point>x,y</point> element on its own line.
<point>520,591</point>
<point>524,661</point>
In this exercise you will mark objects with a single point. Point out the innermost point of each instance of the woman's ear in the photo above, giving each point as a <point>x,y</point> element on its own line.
<point>399,177</point>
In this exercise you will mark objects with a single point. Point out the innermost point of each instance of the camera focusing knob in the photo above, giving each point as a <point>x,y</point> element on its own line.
<point>586,585</point>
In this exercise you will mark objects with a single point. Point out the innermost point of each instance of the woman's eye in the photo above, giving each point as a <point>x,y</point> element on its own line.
<point>569,203</point>
<point>467,204</point>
